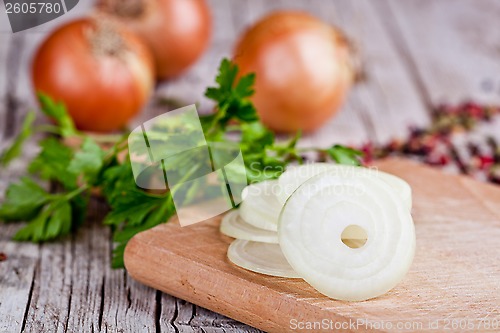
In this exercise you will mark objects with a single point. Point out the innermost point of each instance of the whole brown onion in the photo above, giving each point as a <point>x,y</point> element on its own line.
<point>303,69</point>
<point>102,72</point>
<point>177,31</point>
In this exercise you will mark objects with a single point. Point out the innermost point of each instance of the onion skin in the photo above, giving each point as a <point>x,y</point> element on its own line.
<point>177,31</point>
<point>102,92</point>
<point>303,70</point>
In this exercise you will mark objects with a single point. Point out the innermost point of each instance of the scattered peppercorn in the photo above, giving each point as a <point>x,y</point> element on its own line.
<point>434,145</point>
<point>3,256</point>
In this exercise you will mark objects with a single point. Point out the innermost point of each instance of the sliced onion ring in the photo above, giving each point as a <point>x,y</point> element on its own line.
<point>292,178</point>
<point>260,206</point>
<point>314,218</point>
<point>233,225</point>
<point>263,258</point>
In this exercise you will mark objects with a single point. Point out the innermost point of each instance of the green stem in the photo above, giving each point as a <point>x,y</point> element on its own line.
<point>106,138</point>
<point>307,149</point>
<point>184,178</point>
<point>47,129</point>
<point>76,192</point>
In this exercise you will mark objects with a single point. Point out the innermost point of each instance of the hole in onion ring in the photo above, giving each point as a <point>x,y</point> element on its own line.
<point>354,236</point>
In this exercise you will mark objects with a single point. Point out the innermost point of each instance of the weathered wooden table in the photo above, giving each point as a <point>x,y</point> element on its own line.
<point>415,54</point>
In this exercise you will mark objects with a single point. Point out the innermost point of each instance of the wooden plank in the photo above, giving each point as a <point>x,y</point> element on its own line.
<point>5,40</point>
<point>10,102</point>
<point>49,306</point>
<point>169,311</point>
<point>452,49</point>
<point>23,90</point>
<point>387,87</point>
<point>128,305</point>
<point>4,21</point>
<point>214,322</point>
<point>90,261</point>
<point>16,276</point>
<point>454,275</point>
<point>16,102</point>
<point>179,315</point>
<point>74,288</point>
<point>18,272</point>
<point>103,299</point>
<point>389,96</point>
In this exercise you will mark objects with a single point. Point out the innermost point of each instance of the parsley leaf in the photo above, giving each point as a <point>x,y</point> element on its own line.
<point>88,161</point>
<point>15,150</point>
<point>57,112</point>
<point>53,221</point>
<point>232,99</point>
<point>263,159</point>
<point>255,135</point>
<point>23,201</point>
<point>225,78</point>
<point>59,223</point>
<point>244,87</point>
<point>256,141</point>
<point>160,214</point>
<point>132,210</point>
<point>50,216</point>
<point>117,179</point>
<point>345,155</point>
<point>79,205</point>
<point>52,163</point>
<point>131,207</point>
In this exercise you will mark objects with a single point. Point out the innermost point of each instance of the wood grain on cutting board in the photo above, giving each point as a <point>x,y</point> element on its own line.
<point>455,274</point>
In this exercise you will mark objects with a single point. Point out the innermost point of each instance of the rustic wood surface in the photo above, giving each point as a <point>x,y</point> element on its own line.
<point>453,276</point>
<point>415,53</point>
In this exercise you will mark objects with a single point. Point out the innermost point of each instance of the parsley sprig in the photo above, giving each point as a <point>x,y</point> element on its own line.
<point>51,215</point>
<point>77,171</point>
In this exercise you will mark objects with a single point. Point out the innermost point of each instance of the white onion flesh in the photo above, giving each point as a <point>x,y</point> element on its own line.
<point>233,225</point>
<point>260,206</point>
<point>292,178</point>
<point>314,217</point>
<point>263,258</point>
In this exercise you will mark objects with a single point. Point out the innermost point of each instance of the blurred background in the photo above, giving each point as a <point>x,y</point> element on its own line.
<point>415,54</point>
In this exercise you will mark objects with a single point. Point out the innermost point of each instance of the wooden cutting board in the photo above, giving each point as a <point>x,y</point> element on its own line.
<point>454,279</point>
